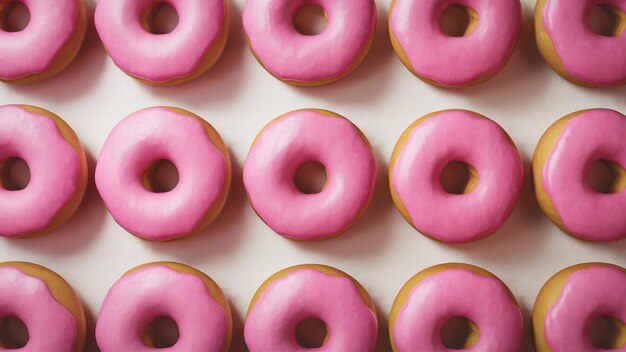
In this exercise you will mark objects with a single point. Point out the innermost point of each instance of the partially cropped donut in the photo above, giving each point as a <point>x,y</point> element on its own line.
<point>58,171</point>
<point>164,289</point>
<point>448,61</point>
<point>47,45</point>
<point>454,290</point>
<point>177,57</point>
<point>45,303</point>
<point>571,299</point>
<point>311,291</point>
<point>563,159</point>
<point>288,142</point>
<point>309,60</point>
<point>567,42</point>
<point>131,153</point>
<point>495,175</point>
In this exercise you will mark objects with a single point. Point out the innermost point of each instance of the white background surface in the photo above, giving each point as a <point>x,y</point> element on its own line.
<point>238,97</point>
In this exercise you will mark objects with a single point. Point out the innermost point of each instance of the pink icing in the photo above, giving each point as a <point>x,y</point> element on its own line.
<point>573,40</point>
<point>456,61</point>
<point>289,55</point>
<point>587,294</point>
<point>54,171</point>
<point>458,293</point>
<point>138,141</point>
<point>32,50</point>
<point>598,134</point>
<point>157,290</point>
<point>162,57</point>
<point>51,327</point>
<point>306,293</point>
<point>449,136</point>
<point>282,147</point>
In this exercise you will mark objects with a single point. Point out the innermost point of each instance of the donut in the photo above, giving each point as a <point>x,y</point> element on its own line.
<point>45,303</point>
<point>309,60</point>
<point>58,169</point>
<point>187,296</point>
<point>432,142</point>
<point>47,45</point>
<point>442,292</point>
<point>447,61</point>
<point>565,41</point>
<point>571,299</point>
<point>563,157</point>
<point>297,293</point>
<point>136,146</point>
<point>288,142</point>
<point>168,59</point>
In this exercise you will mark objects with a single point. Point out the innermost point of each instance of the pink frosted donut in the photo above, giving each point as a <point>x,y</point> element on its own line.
<point>132,151</point>
<point>449,61</point>
<point>291,140</point>
<point>452,290</point>
<point>58,169</point>
<point>423,151</point>
<point>563,158</point>
<point>45,303</point>
<point>311,291</point>
<point>163,59</point>
<point>47,45</point>
<point>568,44</point>
<point>572,299</point>
<point>308,60</point>
<point>174,290</point>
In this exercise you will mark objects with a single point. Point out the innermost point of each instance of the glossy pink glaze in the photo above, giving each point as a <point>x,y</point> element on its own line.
<point>157,290</point>
<point>458,293</point>
<point>587,294</point>
<point>138,141</point>
<point>54,171</point>
<point>306,293</point>
<point>572,38</point>
<point>282,147</point>
<point>449,136</point>
<point>598,134</point>
<point>290,55</point>
<point>159,57</point>
<point>456,61</point>
<point>51,327</point>
<point>34,49</point>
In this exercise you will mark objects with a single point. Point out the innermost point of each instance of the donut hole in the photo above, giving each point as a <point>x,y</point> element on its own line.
<point>14,174</point>
<point>607,332</point>
<point>311,333</point>
<point>458,21</point>
<point>160,18</point>
<point>310,20</point>
<point>14,16</point>
<point>162,176</point>
<point>459,333</point>
<point>606,177</point>
<point>13,333</point>
<point>606,20</point>
<point>161,332</point>
<point>311,177</point>
<point>458,178</point>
